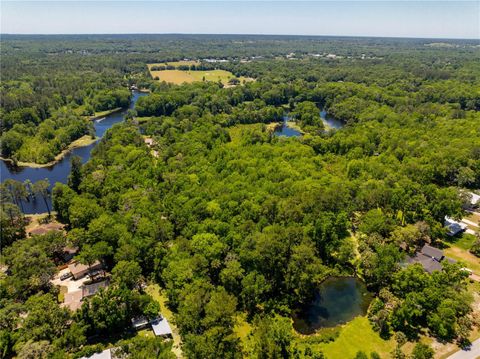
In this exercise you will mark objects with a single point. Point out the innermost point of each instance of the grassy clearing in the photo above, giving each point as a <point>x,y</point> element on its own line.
<point>462,255</point>
<point>101,114</point>
<point>80,142</point>
<point>474,217</point>
<point>180,76</point>
<point>465,241</point>
<point>458,249</point>
<point>156,292</point>
<point>355,336</point>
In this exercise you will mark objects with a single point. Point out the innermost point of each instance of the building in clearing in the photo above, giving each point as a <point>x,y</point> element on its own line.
<point>106,354</point>
<point>474,200</point>
<point>430,258</point>
<point>161,328</point>
<point>140,323</point>
<point>79,270</point>
<point>454,227</point>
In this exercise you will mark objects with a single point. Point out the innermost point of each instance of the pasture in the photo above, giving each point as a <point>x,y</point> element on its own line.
<point>178,77</point>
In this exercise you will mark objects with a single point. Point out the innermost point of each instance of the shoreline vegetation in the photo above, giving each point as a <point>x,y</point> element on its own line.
<point>83,141</point>
<point>101,114</point>
<point>273,126</point>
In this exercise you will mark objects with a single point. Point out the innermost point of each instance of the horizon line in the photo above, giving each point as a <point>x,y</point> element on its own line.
<point>243,34</point>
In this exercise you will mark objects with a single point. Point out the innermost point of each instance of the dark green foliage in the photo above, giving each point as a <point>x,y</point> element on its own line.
<point>422,351</point>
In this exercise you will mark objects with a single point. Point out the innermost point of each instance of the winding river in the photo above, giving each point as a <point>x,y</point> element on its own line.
<point>59,172</point>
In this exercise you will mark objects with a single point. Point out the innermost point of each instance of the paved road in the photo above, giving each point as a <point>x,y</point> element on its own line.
<point>473,353</point>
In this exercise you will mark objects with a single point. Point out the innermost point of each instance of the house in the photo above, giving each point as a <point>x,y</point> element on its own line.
<point>74,299</point>
<point>432,252</point>
<point>454,227</point>
<point>161,327</point>
<point>80,270</point>
<point>474,200</point>
<point>91,289</point>
<point>106,354</point>
<point>149,141</point>
<point>69,253</point>
<point>430,258</point>
<point>140,323</point>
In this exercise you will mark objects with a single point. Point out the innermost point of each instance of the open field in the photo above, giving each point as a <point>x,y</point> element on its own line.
<point>355,336</point>
<point>180,76</point>
<point>462,255</point>
<point>458,249</point>
<point>105,113</point>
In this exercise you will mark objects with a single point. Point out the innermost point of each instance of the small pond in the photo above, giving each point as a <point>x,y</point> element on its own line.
<point>337,301</point>
<point>330,122</point>
<point>286,131</point>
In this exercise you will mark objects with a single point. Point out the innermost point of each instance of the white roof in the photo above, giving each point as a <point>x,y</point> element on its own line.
<point>475,198</point>
<point>453,226</point>
<point>106,354</point>
<point>161,327</point>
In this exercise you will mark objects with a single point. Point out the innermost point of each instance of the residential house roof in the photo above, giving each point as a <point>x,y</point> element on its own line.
<point>139,322</point>
<point>91,289</point>
<point>454,227</point>
<point>106,354</point>
<point>161,327</point>
<point>432,252</point>
<point>429,264</point>
<point>78,268</point>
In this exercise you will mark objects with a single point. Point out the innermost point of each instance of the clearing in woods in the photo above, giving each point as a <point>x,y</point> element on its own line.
<point>181,76</point>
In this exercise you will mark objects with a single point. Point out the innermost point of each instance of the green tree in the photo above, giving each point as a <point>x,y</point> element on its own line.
<point>41,187</point>
<point>422,351</point>
<point>75,176</point>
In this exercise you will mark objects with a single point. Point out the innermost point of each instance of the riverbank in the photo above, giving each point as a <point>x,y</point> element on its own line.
<point>79,142</point>
<point>101,114</point>
<point>293,125</point>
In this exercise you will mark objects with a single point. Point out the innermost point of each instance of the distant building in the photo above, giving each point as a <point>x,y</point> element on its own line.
<point>454,227</point>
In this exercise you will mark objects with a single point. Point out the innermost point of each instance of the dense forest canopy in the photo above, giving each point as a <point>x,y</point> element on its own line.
<point>228,218</point>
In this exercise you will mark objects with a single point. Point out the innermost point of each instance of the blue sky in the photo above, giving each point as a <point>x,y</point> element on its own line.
<point>437,19</point>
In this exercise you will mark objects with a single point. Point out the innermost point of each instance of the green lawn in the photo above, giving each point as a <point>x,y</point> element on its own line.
<point>458,249</point>
<point>355,336</point>
<point>465,241</point>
